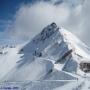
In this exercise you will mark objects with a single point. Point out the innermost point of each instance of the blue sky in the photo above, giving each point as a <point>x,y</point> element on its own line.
<point>8,9</point>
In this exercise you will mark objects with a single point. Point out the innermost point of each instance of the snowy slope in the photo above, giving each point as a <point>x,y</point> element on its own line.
<point>53,55</point>
<point>8,59</point>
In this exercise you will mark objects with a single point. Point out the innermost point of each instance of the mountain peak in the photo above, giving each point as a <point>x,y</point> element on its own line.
<point>49,55</point>
<point>54,25</point>
<point>49,30</point>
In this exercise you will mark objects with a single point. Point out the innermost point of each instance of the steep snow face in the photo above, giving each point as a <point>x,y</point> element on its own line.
<point>49,55</point>
<point>8,59</point>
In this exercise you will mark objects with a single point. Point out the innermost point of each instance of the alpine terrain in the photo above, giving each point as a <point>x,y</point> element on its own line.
<point>54,59</point>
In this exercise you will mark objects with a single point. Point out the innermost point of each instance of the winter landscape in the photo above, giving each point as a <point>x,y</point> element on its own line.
<point>45,46</point>
<point>54,59</point>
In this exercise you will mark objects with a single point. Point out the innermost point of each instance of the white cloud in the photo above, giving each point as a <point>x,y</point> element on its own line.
<point>79,23</point>
<point>86,22</point>
<point>31,19</point>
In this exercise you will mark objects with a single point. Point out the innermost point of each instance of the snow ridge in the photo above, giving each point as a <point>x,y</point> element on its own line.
<point>54,54</point>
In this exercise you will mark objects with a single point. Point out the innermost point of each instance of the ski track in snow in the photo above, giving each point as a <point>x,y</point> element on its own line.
<point>81,84</point>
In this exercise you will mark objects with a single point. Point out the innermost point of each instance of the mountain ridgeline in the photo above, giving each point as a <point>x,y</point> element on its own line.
<point>53,54</point>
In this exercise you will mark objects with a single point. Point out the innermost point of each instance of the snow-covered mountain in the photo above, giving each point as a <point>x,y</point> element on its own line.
<point>54,54</point>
